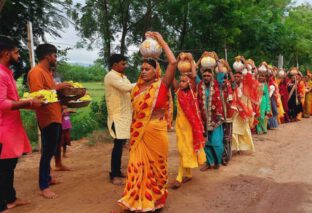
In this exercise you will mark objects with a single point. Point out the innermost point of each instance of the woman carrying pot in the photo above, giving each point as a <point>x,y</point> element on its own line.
<point>147,175</point>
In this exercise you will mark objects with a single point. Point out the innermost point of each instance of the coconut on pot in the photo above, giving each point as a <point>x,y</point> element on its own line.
<point>238,65</point>
<point>225,68</point>
<point>294,71</point>
<point>263,68</point>
<point>184,62</point>
<point>281,73</point>
<point>150,48</point>
<point>208,60</point>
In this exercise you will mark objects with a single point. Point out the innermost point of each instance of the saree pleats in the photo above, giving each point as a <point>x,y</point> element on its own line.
<point>146,188</point>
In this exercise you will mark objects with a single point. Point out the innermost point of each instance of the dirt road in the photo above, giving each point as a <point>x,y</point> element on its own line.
<point>277,178</point>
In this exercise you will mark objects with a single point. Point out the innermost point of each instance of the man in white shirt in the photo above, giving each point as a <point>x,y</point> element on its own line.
<point>118,101</point>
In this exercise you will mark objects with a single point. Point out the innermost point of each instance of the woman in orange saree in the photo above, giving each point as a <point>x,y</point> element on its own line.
<point>147,175</point>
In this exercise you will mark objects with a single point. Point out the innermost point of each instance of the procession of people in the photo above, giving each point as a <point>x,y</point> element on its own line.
<point>218,111</point>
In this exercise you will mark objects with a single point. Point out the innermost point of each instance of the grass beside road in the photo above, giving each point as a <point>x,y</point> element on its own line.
<point>95,90</point>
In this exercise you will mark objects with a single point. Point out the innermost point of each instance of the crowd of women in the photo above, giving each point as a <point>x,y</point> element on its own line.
<point>217,112</point>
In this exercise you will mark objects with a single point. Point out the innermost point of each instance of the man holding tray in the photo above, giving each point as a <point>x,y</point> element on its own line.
<point>49,116</point>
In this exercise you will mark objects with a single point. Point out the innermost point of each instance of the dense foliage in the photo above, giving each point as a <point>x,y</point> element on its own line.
<point>259,29</point>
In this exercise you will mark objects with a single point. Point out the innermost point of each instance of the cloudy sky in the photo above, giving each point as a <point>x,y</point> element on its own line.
<point>82,56</point>
<point>69,39</point>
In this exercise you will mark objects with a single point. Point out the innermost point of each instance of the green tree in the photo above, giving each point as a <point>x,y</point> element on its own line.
<point>298,44</point>
<point>258,29</point>
<point>116,24</point>
<point>47,17</point>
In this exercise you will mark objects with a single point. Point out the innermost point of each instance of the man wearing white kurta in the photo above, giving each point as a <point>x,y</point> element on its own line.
<point>118,101</point>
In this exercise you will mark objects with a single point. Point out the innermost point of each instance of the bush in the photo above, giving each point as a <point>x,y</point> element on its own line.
<point>30,125</point>
<point>99,112</point>
<point>85,123</point>
<point>82,125</point>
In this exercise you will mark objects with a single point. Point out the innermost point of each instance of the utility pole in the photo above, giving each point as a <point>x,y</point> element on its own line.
<point>225,52</point>
<point>280,61</point>
<point>30,44</point>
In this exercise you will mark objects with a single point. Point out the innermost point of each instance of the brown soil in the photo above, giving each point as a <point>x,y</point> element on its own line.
<point>277,178</point>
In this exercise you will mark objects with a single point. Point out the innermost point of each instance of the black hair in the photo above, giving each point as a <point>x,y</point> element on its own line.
<point>7,43</point>
<point>45,49</point>
<point>151,62</point>
<point>116,58</point>
<point>206,70</point>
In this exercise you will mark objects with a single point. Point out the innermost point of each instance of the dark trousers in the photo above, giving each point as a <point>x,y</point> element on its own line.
<point>227,142</point>
<point>116,158</point>
<point>7,191</point>
<point>50,138</point>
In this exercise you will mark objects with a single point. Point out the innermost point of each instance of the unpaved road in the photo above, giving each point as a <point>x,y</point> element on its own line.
<point>277,178</point>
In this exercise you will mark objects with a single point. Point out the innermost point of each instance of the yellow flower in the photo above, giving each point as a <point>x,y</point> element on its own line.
<point>85,98</point>
<point>49,96</point>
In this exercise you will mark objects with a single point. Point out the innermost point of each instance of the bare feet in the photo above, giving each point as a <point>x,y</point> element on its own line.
<point>118,181</point>
<point>17,202</point>
<point>186,179</point>
<point>48,194</point>
<point>225,163</point>
<point>126,146</point>
<point>205,168</point>
<point>122,175</point>
<point>54,181</point>
<point>176,184</point>
<point>62,168</point>
<point>237,152</point>
<point>217,166</point>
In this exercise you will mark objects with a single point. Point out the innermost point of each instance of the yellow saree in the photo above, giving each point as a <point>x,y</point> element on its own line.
<point>280,109</point>
<point>146,185</point>
<point>308,99</point>
<point>189,158</point>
